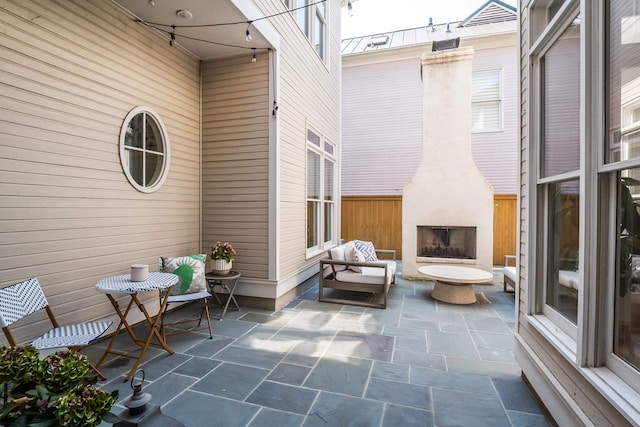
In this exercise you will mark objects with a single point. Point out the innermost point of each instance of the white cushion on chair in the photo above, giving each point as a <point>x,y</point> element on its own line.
<point>510,272</point>
<point>189,297</point>
<point>339,253</point>
<point>80,334</point>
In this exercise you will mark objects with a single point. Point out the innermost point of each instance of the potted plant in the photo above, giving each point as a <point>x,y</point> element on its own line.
<point>58,390</point>
<point>222,255</point>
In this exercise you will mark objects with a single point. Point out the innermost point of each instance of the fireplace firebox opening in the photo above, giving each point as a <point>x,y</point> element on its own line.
<point>446,242</point>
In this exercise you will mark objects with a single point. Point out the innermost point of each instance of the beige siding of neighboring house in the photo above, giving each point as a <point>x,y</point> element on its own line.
<point>235,160</point>
<point>69,74</point>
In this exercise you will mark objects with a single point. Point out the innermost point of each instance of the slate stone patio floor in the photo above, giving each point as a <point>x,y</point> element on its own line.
<point>417,363</point>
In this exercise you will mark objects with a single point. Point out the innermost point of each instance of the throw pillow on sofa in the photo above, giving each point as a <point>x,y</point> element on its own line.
<point>367,250</point>
<point>354,255</point>
<point>190,269</point>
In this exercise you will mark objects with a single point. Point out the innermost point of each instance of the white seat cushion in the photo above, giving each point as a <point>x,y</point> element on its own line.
<point>339,254</point>
<point>372,275</point>
<point>510,272</point>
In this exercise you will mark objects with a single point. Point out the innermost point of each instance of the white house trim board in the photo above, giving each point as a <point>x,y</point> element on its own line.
<point>274,168</point>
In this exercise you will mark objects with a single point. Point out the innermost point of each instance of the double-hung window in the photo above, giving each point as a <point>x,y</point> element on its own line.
<point>557,92</point>
<point>584,269</point>
<point>486,101</point>
<point>321,190</point>
<point>311,17</point>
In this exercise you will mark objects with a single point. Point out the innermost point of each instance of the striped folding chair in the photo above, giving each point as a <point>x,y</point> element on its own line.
<point>22,299</point>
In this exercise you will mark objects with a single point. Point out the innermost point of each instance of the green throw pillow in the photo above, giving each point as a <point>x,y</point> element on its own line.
<point>190,269</point>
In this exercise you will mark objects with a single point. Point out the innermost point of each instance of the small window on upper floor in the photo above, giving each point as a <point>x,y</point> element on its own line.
<point>486,101</point>
<point>144,149</point>
<point>311,17</point>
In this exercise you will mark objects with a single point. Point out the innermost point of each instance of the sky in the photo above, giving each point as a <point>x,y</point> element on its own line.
<point>379,16</point>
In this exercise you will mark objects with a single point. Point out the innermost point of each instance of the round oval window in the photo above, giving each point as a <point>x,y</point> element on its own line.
<point>144,149</point>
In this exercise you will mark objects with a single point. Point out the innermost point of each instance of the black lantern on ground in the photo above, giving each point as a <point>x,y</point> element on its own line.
<point>138,413</point>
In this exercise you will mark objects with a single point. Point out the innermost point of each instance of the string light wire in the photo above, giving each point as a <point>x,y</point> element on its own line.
<point>221,24</point>
<point>172,33</point>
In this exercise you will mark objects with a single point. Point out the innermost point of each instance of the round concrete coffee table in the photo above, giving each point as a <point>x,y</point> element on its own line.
<point>453,283</point>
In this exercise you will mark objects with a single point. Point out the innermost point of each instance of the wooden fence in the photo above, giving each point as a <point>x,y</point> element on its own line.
<point>379,219</point>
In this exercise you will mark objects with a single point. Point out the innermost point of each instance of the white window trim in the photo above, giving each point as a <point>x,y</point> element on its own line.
<point>167,151</point>
<point>500,100</point>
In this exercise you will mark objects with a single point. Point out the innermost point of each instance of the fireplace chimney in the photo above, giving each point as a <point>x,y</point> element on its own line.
<point>447,191</point>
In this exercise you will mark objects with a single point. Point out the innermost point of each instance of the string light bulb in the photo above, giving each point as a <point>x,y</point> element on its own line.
<point>248,33</point>
<point>254,59</point>
<point>172,35</point>
<point>350,8</point>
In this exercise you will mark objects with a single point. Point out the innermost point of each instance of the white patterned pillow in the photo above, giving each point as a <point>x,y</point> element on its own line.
<point>354,255</point>
<point>190,269</point>
<point>367,250</point>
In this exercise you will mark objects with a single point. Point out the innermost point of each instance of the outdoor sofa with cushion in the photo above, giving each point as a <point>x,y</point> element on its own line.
<point>509,273</point>
<point>354,266</point>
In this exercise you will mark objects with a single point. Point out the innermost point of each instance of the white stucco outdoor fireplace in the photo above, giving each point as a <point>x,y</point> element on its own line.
<point>447,206</point>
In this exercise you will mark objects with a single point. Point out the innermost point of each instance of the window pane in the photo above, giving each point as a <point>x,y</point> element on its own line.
<point>624,82</point>
<point>627,306</point>
<point>485,86</point>
<point>328,180</point>
<point>563,247</point>
<point>154,163</point>
<point>328,222</point>
<point>328,148</point>
<point>541,14</point>
<point>486,116</point>
<point>313,138</point>
<point>134,162</point>
<point>313,218</point>
<point>318,37</point>
<point>313,175</point>
<point>153,136</point>
<point>561,104</point>
<point>134,136</point>
<point>302,16</point>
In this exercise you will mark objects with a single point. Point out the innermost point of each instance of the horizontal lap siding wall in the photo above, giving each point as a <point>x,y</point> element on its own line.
<point>309,92</point>
<point>69,74</point>
<point>235,159</point>
<point>496,153</point>
<point>382,127</point>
